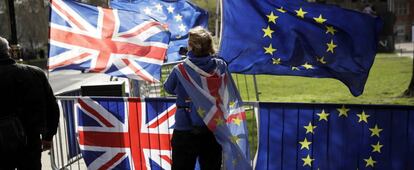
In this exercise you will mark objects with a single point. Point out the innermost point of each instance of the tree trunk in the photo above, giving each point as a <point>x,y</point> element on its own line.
<point>410,91</point>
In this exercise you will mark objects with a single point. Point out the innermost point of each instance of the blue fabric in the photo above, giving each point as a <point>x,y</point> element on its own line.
<point>191,14</point>
<point>299,46</point>
<point>204,62</point>
<point>185,119</point>
<point>341,141</point>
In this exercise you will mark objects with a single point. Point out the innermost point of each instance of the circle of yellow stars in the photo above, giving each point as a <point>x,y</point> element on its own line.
<point>361,117</point>
<point>302,14</point>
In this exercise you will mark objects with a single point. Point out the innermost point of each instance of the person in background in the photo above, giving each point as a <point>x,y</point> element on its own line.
<point>29,113</point>
<point>369,9</point>
<point>191,138</point>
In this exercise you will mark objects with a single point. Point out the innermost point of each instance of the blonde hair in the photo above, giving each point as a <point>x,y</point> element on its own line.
<point>200,42</point>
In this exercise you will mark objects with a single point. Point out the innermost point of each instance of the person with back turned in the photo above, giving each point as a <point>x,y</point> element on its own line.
<point>192,139</point>
<point>29,113</point>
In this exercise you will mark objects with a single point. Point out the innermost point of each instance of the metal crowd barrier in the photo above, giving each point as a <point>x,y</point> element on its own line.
<point>65,156</point>
<point>60,155</point>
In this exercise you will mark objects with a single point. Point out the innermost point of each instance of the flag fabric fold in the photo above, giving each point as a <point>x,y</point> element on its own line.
<point>299,38</point>
<point>115,42</point>
<point>178,15</point>
<point>219,104</point>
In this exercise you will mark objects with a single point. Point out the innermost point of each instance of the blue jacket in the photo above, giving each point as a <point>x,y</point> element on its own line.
<point>186,116</point>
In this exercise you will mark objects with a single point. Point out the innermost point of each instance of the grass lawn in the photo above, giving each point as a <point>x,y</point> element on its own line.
<point>388,78</point>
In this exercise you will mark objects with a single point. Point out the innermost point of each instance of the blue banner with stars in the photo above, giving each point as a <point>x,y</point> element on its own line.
<point>331,136</point>
<point>178,15</point>
<point>299,38</point>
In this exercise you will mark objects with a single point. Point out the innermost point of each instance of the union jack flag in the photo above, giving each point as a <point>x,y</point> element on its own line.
<point>125,133</point>
<point>219,104</point>
<point>116,42</point>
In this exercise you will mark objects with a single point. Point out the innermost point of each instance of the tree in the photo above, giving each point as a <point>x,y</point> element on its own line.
<point>410,90</point>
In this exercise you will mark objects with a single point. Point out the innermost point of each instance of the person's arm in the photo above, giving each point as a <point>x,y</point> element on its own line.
<point>171,83</point>
<point>52,113</point>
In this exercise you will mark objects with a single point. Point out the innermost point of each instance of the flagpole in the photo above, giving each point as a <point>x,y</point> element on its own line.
<point>220,4</point>
<point>217,19</point>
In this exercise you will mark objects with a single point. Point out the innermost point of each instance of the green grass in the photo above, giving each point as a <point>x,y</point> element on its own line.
<point>388,78</point>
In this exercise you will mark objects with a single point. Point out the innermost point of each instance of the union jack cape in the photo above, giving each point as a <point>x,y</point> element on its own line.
<point>116,42</point>
<point>219,104</point>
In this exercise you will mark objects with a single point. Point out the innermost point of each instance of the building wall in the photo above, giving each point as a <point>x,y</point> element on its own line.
<point>404,11</point>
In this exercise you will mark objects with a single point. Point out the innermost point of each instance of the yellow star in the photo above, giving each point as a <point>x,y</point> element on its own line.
<point>269,50</point>
<point>305,144</point>
<point>281,10</point>
<point>295,68</point>
<point>323,115</point>
<point>234,162</point>
<point>343,111</point>
<point>307,66</point>
<point>321,60</point>
<point>219,121</point>
<point>276,61</point>
<point>363,117</point>
<point>377,147</point>
<point>330,29</point>
<point>300,13</point>
<point>234,139</point>
<point>331,46</point>
<point>272,18</point>
<point>267,32</point>
<point>320,19</point>
<point>237,121</point>
<point>307,161</point>
<point>232,103</point>
<point>201,112</point>
<point>309,128</point>
<point>375,131</point>
<point>370,162</point>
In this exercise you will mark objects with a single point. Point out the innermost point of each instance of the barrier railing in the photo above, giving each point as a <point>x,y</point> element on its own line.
<point>65,153</point>
<point>291,135</point>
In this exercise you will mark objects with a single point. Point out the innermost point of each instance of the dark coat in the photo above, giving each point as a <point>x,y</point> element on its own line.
<point>25,90</point>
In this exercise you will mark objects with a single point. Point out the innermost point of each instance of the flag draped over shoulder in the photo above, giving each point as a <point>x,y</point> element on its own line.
<point>116,42</point>
<point>299,38</point>
<point>219,104</point>
<point>179,15</point>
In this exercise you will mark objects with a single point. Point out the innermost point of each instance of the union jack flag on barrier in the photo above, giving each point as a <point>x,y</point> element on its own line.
<point>121,133</point>
<point>116,42</point>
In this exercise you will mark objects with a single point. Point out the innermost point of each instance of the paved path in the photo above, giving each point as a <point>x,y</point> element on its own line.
<point>405,49</point>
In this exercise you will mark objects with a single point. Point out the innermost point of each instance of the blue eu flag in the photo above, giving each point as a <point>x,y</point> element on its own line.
<point>299,38</point>
<point>178,15</point>
<point>338,137</point>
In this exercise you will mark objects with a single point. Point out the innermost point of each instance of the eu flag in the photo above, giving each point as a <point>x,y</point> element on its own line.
<point>299,38</point>
<point>178,15</point>
<point>332,136</point>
